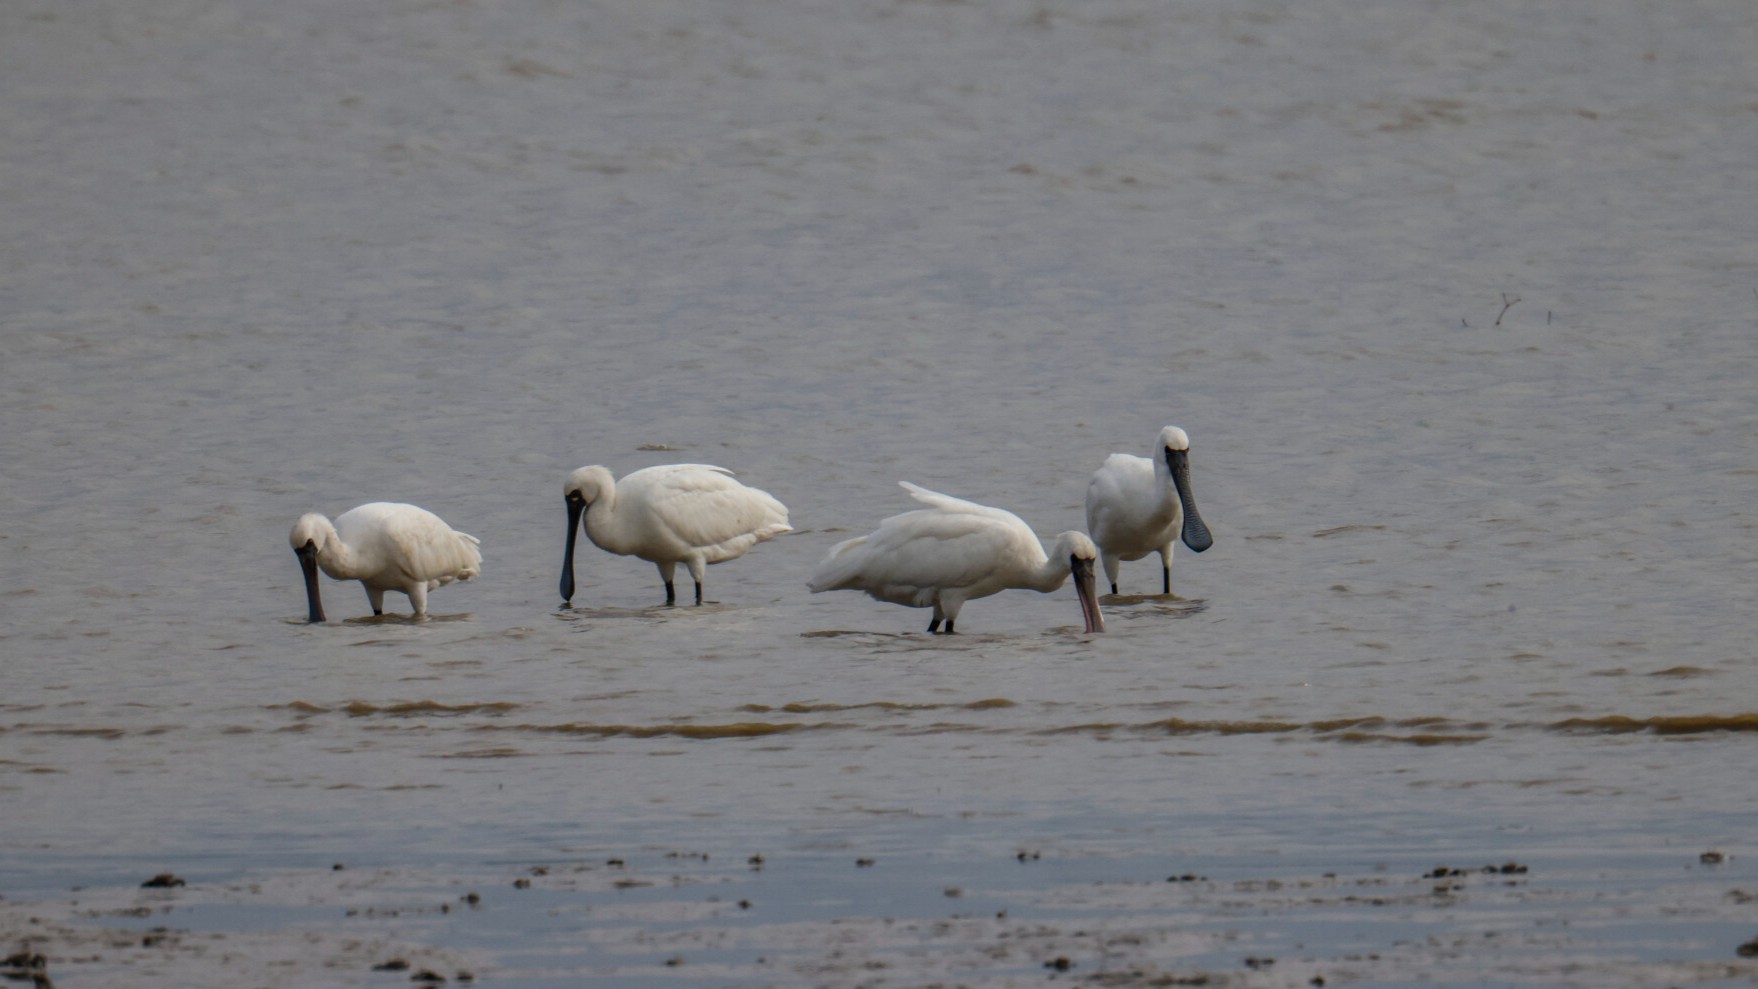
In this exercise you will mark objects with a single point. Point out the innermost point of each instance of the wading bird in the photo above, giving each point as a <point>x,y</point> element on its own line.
<point>956,550</point>
<point>693,514</point>
<point>1137,506</point>
<point>387,547</point>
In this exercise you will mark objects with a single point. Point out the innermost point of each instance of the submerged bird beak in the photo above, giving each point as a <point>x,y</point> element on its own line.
<point>1084,578</point>
<point>576,507</point>
<point>308,562</point>
<point>1196,534</point>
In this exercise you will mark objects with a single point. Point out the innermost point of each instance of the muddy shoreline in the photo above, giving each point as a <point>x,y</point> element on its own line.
<point>683,918</point>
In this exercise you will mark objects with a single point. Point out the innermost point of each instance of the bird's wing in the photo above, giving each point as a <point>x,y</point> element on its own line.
<point>959,506</point>
<point>668,471</point>
<point>925,548</point>
<point>428,549</point>
<point>1119,490</point>
<point>705,507</point>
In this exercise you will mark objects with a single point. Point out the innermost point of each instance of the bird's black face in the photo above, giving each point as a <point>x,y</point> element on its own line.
<point>308,563</point>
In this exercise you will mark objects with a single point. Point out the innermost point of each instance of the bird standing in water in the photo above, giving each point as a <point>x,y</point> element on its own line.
<point>942,556</point>
<point>386,546</point>
<point>694,514</point>
<point>1137,506</point>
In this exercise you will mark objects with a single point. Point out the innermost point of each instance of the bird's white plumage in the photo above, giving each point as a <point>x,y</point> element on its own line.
<point>1136,506</point>
<point>952,552</point>
<point>1129,513</point>
<point>388,546</point>
<point>694,514</point>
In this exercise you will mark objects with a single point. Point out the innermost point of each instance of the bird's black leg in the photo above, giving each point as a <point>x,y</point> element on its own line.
<point>939,616</point>
<point>1166,576</point>
<point>1113,588</point>
<point>671,593</point>
<point>698,595</point>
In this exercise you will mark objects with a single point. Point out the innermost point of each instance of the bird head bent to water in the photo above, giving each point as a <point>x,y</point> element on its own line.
<point>1083,557</point>
<point>590,484</point>
<point>584,487</point>
<point>1175,451</point>
<point>309,537</point>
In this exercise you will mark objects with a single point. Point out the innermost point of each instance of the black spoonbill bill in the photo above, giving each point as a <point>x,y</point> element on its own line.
<point>942,556</point>
<point>387,547</point>
<point>1137,506</point>
<point>694,514</point>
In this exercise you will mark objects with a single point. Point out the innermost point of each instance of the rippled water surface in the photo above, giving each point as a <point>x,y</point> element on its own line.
<point>1457,303</point>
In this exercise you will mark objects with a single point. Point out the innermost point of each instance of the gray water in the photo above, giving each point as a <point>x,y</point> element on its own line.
<point>1456,301</point>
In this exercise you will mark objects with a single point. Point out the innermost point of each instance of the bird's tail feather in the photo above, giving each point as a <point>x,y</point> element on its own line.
<point>838,567</point>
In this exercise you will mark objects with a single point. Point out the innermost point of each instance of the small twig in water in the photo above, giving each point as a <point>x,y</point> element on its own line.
<point>1507,304</point>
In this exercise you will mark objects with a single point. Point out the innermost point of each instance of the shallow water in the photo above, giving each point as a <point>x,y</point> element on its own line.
<point>1457,305</point>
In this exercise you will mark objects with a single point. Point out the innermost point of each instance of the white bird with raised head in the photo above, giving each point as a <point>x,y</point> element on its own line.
<point>1137,506</point>
<point>694,514</point>
<point>386,546</point>
<point>942,556</point>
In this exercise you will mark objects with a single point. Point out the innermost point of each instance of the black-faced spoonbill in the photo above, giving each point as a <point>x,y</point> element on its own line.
<point>387,547</point>
<point>694,514</point>
<point>1137,506</point>
<point>943,556</point>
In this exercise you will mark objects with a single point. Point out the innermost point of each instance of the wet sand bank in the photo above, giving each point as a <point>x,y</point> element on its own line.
<point>685,918</point>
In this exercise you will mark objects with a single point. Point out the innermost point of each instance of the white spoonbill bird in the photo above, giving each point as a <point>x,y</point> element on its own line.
<point>694,514</point>
<point>943,556</point>
<point>387,547</point>
<point>1137,506</point>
